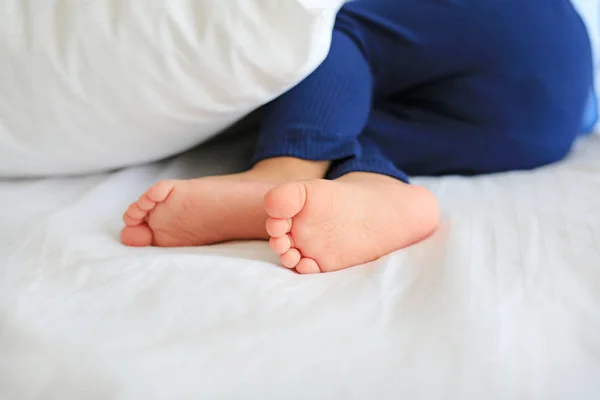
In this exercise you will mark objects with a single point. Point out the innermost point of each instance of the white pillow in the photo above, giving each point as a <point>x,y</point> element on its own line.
<point>94,85</point>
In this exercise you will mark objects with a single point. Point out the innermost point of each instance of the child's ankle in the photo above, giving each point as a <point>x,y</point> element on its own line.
<point>287,169</point>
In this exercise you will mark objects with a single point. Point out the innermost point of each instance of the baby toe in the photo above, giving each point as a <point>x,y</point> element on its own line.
<point>160,191</point>
<point>291,258</point>
<point>285,201</point>
<point>277,227</point>
<point>135,212</point>
<point>281,245</point>
<point>308,266</point>
<point>145,203</point>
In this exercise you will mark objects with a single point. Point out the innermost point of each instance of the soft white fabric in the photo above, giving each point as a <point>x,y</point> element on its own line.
<point>502,303</point>
<point>92,85</point>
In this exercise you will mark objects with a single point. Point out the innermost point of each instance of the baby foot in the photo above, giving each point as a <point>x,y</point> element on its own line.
<point>324,226</point>
<point>197,212</point>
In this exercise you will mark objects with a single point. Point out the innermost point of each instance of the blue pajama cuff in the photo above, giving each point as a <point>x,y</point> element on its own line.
<point>305,143</point>
<point>380,166</point>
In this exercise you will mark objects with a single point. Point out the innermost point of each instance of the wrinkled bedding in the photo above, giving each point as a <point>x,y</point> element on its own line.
<point>503,302</point>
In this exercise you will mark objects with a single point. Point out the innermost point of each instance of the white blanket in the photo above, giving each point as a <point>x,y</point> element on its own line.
<point>502,303</point>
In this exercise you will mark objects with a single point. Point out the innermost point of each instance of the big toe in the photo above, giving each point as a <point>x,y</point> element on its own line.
<point>285,201</point>
<point>137,236</point>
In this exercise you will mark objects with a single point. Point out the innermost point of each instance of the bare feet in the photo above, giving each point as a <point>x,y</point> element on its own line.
<point>324,226</point>
<point>315,225</point>
<point>197,212</point>
<point>210,210</point>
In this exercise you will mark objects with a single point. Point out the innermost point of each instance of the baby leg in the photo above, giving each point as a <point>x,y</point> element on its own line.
<point>302,131</point>
<point>472,118</point>
<point>365,211</point>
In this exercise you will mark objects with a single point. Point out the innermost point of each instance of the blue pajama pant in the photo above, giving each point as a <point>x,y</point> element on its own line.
<point>432,87</point>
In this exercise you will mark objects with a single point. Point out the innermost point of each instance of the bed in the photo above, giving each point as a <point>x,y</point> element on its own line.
<point>503,302</point>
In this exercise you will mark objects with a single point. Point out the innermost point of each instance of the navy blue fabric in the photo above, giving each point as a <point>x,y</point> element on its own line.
<point>431,87</point>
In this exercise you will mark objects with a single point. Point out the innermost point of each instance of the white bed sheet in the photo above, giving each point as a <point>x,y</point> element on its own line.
<point>502,303</point>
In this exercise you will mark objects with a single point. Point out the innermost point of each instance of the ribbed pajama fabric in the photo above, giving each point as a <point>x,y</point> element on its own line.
<point>432,87</point>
